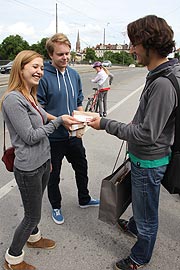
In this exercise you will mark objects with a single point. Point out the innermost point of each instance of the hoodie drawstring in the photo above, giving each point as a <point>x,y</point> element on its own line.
<point>70,83</point>
<point>67,94</point>
<point>57,75</point>
<point>59,85</point>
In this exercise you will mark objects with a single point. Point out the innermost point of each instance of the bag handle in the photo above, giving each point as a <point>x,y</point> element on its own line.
<point>4,135</point>
<point>119,155</point>
<point>35,107</point>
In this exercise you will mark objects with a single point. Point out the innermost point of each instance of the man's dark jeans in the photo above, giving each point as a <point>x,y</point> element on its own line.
<point>31,185</point>
<point>73,149</point>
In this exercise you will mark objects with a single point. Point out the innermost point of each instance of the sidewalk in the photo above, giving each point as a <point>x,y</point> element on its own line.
<point>83,241</point>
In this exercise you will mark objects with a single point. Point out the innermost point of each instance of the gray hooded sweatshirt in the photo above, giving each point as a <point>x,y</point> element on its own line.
<point>150,135</point>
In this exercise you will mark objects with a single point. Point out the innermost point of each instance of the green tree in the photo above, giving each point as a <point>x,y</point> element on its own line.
<point>122,58</point>
<point>11,46</point>
<point>116,58</point>
<point>108,55</point>
<point>40,47</point>
<point>73,56</point>
<point>90,55</point>
<point>128,59</point>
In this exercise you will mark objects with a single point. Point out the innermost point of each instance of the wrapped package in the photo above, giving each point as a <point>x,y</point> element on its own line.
<point>78,130</point>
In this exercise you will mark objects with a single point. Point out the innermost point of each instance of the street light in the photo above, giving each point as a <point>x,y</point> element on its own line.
<point>104,39</point>
<point>56,20</point>
<point>124,35</point>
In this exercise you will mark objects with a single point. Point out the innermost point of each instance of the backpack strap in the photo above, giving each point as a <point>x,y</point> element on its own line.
<point>174,81</point>
<point>169,75</point>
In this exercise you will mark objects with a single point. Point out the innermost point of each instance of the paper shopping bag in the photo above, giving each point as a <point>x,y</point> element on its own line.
<point>115,194</point>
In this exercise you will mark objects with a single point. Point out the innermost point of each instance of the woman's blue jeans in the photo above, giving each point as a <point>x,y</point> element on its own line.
<point>31,185</point>
<point>146,184</point>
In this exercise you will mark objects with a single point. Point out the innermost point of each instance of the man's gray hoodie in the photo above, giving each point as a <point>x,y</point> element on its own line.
<point>150,135</point>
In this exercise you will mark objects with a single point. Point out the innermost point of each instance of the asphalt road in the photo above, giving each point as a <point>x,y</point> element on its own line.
<point>83,241</point>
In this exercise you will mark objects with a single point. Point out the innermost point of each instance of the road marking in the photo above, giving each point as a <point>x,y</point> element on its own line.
<point>9,186</point>
<point>121,102</point>
<point>126,98</point>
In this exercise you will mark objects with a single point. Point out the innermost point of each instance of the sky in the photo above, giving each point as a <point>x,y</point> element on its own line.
<point>96,21</point>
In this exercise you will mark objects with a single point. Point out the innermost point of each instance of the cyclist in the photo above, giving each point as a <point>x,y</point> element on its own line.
<point>103,79</point>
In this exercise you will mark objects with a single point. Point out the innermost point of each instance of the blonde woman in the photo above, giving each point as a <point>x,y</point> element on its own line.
<point>28,129</point>
<point>103,79</point>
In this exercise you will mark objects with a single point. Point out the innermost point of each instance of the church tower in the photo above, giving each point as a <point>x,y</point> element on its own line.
<point>78,43</point>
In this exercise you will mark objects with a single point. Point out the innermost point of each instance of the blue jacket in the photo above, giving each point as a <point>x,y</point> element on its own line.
<point>60,93</point>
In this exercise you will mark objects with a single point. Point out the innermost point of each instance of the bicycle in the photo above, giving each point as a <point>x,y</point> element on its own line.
<point>92,103</point>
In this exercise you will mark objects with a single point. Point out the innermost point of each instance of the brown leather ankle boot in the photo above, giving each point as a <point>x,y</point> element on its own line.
<point>42,243</point>
<point>16,262</point>
<point>20,266</point>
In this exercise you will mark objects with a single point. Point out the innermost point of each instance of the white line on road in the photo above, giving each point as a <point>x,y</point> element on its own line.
<point>126,98</point>
<point>9,186</point>
<point>122,101</point>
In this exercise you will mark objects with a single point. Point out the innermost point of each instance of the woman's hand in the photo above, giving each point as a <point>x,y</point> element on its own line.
<point>95,123</point>
<point>68,121</point>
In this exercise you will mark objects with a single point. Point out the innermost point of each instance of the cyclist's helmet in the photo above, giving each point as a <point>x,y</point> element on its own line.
<point>97,64</point>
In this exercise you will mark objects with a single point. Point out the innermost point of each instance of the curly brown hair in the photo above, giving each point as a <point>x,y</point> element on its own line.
<point>153,33</point>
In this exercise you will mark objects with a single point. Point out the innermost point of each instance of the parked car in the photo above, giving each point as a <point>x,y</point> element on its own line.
<point>132,65</point>
<point>5,69</point>
<point>107,63</point>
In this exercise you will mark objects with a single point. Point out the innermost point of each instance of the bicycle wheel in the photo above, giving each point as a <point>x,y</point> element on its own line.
<point>89,104</point>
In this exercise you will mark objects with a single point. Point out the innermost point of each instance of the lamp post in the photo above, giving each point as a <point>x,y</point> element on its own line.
<point>104,39</point>
<point>124,35</point>
<point>56,19</point>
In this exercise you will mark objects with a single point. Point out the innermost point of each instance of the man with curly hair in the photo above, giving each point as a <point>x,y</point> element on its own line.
<point>150,135</point>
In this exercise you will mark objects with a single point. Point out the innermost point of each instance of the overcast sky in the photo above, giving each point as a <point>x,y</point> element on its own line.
<point>34,20</point>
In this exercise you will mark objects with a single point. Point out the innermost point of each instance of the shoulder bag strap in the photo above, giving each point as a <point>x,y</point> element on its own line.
<point>4,136</point>
<point>35,107</point>
<point>174,81</point>
<point>169,75</point>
